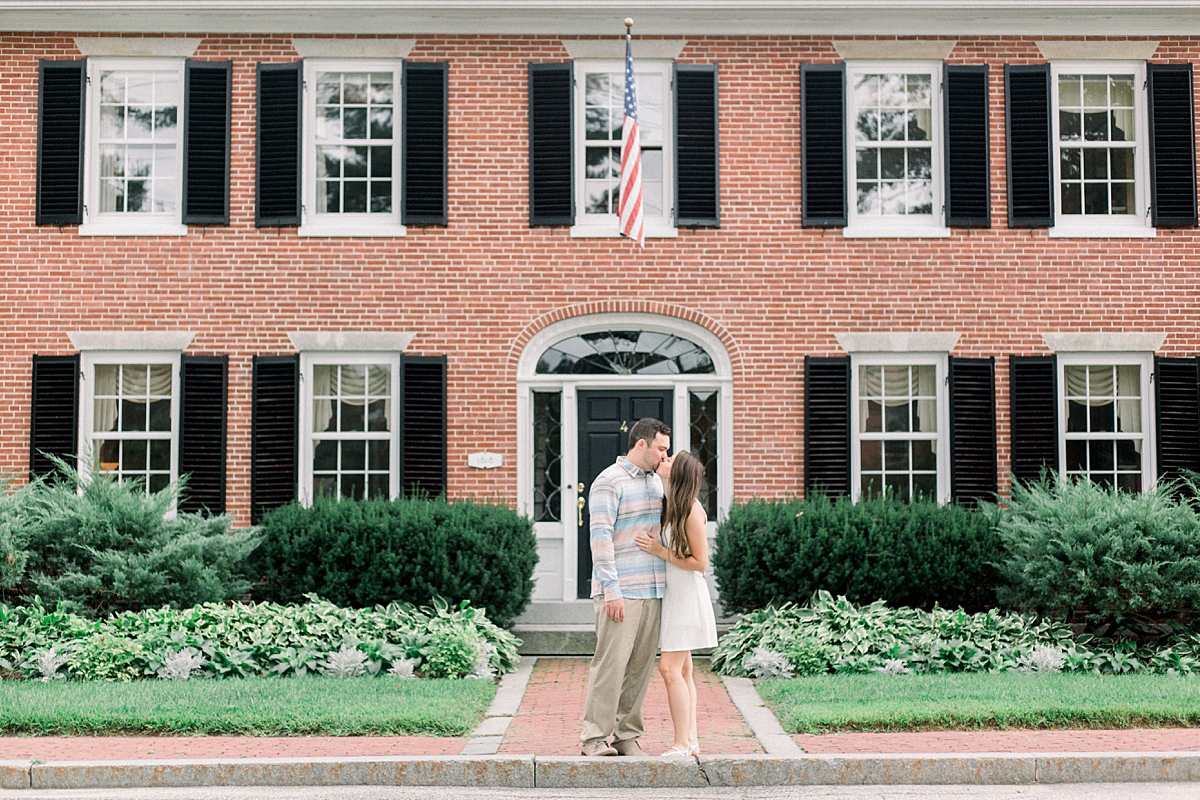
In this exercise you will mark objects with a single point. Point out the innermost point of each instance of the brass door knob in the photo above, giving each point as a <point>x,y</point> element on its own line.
<point>580,503</point>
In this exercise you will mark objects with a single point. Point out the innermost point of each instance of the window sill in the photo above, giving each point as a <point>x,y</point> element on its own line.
<point>1108,231</point>
<point>861,230</point>
<point>336,229</point>
<point>606,230</point>
<point>158,227</point>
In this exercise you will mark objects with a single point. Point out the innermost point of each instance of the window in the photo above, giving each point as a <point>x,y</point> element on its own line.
<point>899,422</point>
<point>349,414</point>
<point>130,409</point>
<point>133,165</point>
<point>1100,153</point>
<point>351,131</point>
<point>1106,417</point>
<point>894,127</point>
<point>600,114</point>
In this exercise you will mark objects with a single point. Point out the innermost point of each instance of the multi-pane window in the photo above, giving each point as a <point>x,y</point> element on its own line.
<point>1105,429</point>
<point>601,100</point>
<point>354,142</point>
<point>139,141</point>
<point>351,148</point>
<point>1097,141</point>
<point>353,430</point>
<point>132,427</point>
<point>898,430</point>
<point>893,142</point>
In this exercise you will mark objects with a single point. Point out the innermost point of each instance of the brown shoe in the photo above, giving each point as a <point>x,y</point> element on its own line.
<point>597,747</point>
<point>629,747</point>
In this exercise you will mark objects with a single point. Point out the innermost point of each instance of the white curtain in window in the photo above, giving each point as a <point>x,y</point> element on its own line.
<point>1100,378</point>
<point>892,383</point>
<point>354,390</point>
<point>133,389</point>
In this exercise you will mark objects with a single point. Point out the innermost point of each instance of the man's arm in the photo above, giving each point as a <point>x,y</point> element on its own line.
<point>602,509</point>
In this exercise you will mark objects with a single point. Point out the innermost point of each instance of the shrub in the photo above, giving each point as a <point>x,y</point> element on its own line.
<point>1077,550</point>
<point>99,547</point>
<point>911,554</point>
<point>240,640</point>
<point>372,552</point>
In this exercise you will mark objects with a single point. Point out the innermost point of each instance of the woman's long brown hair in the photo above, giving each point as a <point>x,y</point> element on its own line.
<point>682,490</point>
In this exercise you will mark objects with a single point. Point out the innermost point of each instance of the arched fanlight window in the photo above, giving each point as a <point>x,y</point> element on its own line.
<point>625,353</point>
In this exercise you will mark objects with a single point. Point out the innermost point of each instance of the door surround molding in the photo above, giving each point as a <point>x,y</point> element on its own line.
<point>529,381</point>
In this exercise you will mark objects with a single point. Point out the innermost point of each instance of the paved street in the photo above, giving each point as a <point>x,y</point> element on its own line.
<point>1124,791</point>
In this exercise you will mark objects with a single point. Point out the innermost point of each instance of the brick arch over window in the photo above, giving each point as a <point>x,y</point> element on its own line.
<point>627,307</point>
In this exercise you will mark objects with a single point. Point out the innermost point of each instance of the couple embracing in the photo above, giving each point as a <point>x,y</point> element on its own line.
<point>649,553</point>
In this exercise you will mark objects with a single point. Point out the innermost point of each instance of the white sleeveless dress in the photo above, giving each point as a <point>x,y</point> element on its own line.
<point>688,622</point>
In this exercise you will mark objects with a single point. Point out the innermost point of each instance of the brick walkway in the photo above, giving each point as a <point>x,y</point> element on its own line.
<point>1004,741</point>
<point>551,713</point>
<point>113,748</point>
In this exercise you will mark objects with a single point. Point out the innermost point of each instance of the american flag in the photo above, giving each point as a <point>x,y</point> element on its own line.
<point>629,206</point>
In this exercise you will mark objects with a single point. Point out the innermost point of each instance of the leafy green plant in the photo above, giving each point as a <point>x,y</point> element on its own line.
<point>371,552</point>
<point>100,546</point>
<point>912,554</point>
<point>253,639</point>
<point>1078,550</point>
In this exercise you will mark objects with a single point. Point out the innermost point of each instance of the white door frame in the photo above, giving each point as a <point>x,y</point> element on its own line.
<point>528,381</point>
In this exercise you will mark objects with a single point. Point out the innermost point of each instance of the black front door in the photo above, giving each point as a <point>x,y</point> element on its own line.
<point>604,422</point>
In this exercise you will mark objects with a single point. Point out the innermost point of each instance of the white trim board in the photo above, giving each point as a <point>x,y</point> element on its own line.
<point>141,47</point>
<point>350,341</point>
<point>898,342</point>
<point>1104,342</point>
<point>131,340</point>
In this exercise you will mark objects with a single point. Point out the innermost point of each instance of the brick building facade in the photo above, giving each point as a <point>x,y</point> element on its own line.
<point>405,232</point>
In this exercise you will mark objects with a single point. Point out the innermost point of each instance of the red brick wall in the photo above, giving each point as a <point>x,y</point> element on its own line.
<point>472,290</point>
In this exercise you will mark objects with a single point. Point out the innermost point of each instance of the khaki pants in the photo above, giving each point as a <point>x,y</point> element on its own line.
<point>621,670</point>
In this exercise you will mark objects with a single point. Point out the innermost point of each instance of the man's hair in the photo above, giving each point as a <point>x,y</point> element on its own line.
<point>647,428</point>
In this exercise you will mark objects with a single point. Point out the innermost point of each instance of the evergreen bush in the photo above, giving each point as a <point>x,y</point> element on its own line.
<point>907,554</point>
<point>374,552</point>
<point>100,546</point>
<point>1075,550</point>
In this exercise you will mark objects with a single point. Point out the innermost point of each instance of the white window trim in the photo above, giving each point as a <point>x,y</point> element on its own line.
<point>1149,430</point>
<point>941,362</point>
<point>897,226</point>
<point>1108,226</point>
<point>347,225</point>
<point>588,226</point>
<point>87,402</point>
<point>307,361</point>
<point>149,224</point>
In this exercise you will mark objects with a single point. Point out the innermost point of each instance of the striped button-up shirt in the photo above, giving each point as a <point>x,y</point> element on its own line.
<point>625,501</point>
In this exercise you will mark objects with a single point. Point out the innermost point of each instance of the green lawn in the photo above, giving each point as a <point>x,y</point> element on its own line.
<point>981,700</point>
<point>315,705</point>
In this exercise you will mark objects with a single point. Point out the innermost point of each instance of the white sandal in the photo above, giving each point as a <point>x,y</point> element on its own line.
<point>676,751</point>
<point>694,749</point>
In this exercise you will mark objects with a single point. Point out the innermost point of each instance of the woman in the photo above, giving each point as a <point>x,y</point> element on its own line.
<point>688,622</point>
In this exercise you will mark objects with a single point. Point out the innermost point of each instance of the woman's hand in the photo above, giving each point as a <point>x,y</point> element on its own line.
<point>649,544</point>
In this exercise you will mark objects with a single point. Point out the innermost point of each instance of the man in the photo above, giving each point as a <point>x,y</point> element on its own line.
<point>627,590</point>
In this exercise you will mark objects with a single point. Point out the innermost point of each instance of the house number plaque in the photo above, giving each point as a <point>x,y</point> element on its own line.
<point>484,460</point>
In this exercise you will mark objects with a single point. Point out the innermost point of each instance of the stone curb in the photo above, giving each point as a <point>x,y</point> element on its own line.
<point>566,772</point>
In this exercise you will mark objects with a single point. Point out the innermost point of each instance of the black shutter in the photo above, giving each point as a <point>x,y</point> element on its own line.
<point>424,449</point>
<point>827,426</point>
<point>203,382</point>
<point>823,146</point>
<point>207,104</point>
<point>1172,145</point>
<point>972,429</point>
<point>1177,406</point>
<point>1027,117</point>
<point>697,185</point>
<point>273,433</point>
<point>551,161</point>
<point>423,142</point>
<point>968,182</point>
<point>54,423</point>
<point>1033,387</point>
<point>62,94</point>
<point>277,184</point>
